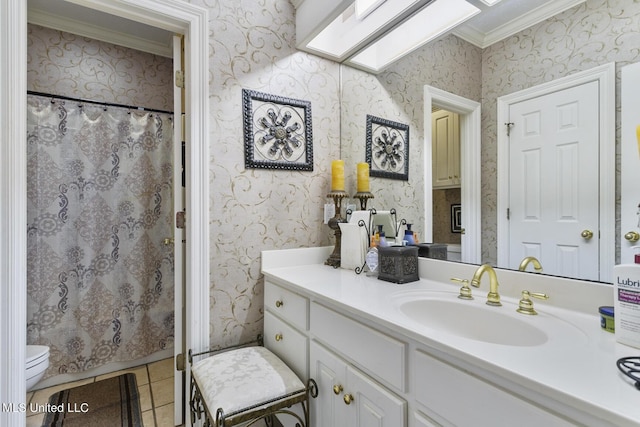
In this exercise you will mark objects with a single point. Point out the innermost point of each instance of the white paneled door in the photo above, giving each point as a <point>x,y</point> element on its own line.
<point>554,181</point>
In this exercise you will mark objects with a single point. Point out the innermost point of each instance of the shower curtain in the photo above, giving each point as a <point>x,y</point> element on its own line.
<point>99,279</point>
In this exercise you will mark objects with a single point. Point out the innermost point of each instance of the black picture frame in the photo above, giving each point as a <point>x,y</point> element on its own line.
<point>387,150</point>
<point>277,132</point>
<point>456,218</point>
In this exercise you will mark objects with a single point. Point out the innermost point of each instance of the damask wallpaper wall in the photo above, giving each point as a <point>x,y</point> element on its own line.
<point>252,46</point>
<point>61,63</point>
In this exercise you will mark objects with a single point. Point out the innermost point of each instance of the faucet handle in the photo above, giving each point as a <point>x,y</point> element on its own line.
<point>525,306</point>
<point>465,290</point>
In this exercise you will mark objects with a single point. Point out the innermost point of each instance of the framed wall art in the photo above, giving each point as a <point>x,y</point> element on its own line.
<point>277,132</point>
<point>387,150</point>
<point>456,218</point>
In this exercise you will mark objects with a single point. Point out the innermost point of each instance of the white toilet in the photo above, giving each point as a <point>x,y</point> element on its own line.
<point>37,363</point>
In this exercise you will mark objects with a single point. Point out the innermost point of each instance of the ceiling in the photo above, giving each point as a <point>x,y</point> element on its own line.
<point>492,24</point>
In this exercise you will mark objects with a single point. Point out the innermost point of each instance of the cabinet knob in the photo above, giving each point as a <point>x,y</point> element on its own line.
<point>337,389</point>
<point>348,398</point>
<point>632,236</point>
<point>279,337</point>
<point>279,303</point>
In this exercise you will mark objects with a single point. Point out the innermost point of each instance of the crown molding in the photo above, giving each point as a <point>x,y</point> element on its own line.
<point>60,23</point>
<point>537,15</point>
<point>296,3</point>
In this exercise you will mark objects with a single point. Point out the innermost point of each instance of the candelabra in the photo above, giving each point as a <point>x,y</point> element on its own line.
<point>334,258</point>
<point>363,196</point>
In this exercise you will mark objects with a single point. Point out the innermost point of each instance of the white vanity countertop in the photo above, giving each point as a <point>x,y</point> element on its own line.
<point>579,373</point>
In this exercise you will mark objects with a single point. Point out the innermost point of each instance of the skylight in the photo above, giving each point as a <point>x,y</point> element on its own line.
<point>432,21</point>
<point>350,31</point>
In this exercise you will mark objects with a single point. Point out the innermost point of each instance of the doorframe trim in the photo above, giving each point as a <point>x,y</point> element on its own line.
<point>173,15</point>
<point>470,166</point>
<point>605,75</point>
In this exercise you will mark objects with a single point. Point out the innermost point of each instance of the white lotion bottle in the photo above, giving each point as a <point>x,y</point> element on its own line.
<point>626,302</point>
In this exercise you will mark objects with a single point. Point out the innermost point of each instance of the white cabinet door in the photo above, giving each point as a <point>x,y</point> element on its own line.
<point>372,405</point>
<point>348,398</point>
<point>328,409</point>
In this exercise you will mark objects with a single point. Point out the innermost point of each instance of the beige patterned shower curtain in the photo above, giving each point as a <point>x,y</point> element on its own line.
<point>99,279</point>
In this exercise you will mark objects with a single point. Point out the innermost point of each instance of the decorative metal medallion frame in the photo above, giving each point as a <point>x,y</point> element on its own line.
<point>456,218</point>
<point>277,132</point>
<point>387,148</point>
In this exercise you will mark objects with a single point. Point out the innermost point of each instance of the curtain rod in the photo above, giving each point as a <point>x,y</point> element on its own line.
<point>105,104</point>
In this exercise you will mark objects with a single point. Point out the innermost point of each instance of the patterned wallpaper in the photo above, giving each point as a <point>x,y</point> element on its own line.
<point>61,63</point>
<point>252,47</point>
<point>397,94</point>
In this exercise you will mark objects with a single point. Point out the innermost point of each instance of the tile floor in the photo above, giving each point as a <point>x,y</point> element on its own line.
<point>155,384</point>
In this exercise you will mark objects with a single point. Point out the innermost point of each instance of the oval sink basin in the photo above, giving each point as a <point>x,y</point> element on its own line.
<point>472,321</point>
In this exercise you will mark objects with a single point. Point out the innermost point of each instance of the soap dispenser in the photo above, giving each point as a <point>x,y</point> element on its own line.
<point>408,235</point>
<point>626,301</point>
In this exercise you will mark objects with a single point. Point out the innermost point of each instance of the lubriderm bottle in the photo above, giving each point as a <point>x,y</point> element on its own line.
<point>626,301</point>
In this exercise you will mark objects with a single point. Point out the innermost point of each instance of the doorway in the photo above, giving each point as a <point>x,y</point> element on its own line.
<point>172,15</point>
<point>470,199</point>
<point>578,108</point>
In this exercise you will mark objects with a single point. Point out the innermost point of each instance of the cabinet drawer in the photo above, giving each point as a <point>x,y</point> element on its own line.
<point>379,354</point>
<point>287,343</point>
<point>442,389</point>
<point>286,304</point>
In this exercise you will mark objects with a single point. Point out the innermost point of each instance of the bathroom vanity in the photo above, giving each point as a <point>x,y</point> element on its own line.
<point>415,355</point>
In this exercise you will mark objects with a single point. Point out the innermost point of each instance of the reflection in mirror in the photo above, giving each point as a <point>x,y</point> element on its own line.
<point>525,59</point>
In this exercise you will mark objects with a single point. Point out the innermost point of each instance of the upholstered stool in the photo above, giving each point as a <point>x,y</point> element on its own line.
<point>245,385</point>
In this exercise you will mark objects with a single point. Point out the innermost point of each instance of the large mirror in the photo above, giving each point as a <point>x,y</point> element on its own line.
<point>588,35</point>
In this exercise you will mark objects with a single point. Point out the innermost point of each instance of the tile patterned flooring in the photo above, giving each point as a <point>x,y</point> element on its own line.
<point>155,384</point>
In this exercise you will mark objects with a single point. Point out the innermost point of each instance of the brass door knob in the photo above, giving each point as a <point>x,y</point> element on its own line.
<point>279,337</point>
<point>279,303</point>
<point>587,234</point>
<point>337,389</point>
<point>348,398</point>
<point>632,236</point>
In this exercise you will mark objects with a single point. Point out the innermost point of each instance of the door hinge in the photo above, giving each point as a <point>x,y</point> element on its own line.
<point>180,78</point>
<point>508,213</point>
<point>180,362</point>
<point>181,219</point>
<point>508,125</point>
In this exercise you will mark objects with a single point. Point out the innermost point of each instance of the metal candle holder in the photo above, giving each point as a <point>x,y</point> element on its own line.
<point>363,196</point>
<point>334,258</point>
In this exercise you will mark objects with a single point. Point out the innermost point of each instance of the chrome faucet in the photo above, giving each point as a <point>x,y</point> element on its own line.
<point>493,298</point>
<point>533,260</point>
